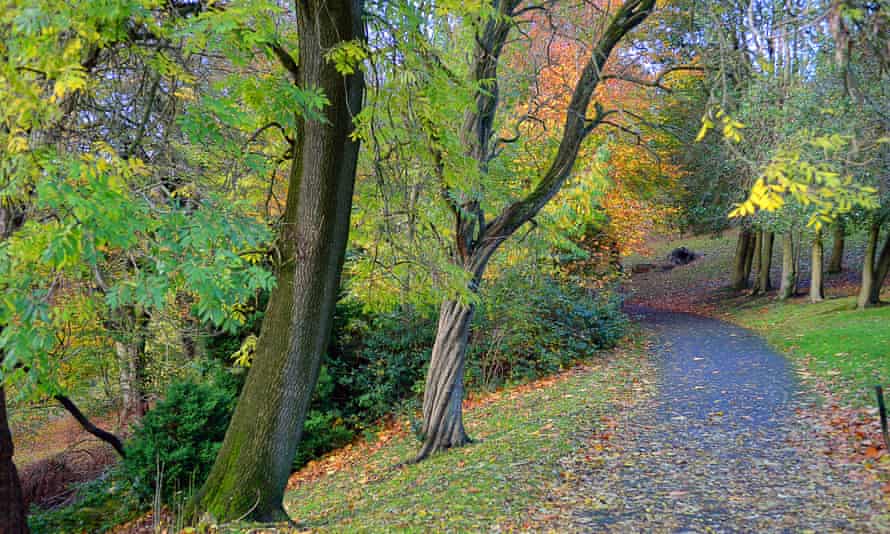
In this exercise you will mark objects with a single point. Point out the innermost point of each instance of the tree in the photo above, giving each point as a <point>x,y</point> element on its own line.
<point>250,473</point>
<point>475,238</point>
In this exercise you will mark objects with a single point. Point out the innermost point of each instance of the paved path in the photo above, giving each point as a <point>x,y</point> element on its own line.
<point>719,448</point>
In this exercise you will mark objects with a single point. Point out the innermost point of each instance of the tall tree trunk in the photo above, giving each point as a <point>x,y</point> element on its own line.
<point>443,425</point>
<point>866,287</point>
<point>817,286</point>
<point>788,287</point>
<point>740,263</point>
<point>836,262</point>
<point>749,257</point>
<point>130,349</point>
<point>12,505</point>
<point>755,262</point>
<point>250,473</point>
<point>766,261</point>
<point>882,268</point>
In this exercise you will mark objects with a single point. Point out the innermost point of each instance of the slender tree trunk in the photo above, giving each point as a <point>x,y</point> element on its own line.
<point>817,286</point>
<point>764,284</point>
<point>130,350</point>
<point>882,268</point>
<point>749,257</point>
<point>443,425</point>
<point>251,471</point>
<point>866,297</point>
<point>755,262</point>
<point>740,263</point>
<point>836,263</point>
<point>788,287</point>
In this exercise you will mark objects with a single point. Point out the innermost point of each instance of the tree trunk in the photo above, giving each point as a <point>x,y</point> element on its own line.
<point>130,350</point>
<point>788,287</point>
<point>443,425</point>
<point>866,297</point>
<point>755,262</point>
<point>250,473</point>
<point>817,287</point>
<point>836,263</point>
<point>475,238</point>
<point>13,519</point>
<point>882,268</point>
<point>740,264</point>
<point>764,284</point>
<point>749,257</point>
<point>12,506</point>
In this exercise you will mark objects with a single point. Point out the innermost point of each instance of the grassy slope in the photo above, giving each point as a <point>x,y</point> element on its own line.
<point>523,431</point>
<point>846,349</point>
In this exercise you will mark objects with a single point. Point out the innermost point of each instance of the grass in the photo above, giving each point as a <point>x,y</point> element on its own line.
<point>845,348</point>
<point>523,433</point>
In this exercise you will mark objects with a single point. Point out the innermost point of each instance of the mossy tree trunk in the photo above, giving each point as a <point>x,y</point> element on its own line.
<point>866,287</point>
<point>836,262</point>
<point>250,473</point>
<point>882,269</point>
<point>817,285</point>
<point>788,285</point>
<point>476,239</point>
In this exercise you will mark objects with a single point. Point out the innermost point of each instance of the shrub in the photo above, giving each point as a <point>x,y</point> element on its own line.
<point>180,436</point>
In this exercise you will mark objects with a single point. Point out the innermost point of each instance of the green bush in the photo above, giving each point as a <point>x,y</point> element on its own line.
<point>101,505</point>
<point>180,436</point>
<point>535,324</point>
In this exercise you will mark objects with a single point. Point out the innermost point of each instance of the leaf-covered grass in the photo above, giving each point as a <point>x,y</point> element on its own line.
<point>522,434</point>
<point>847,349</point>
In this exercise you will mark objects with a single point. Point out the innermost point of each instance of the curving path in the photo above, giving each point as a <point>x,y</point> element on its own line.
<point>719,449</point>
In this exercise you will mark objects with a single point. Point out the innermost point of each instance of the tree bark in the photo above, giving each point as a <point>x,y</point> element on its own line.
<point>443,426</point>
<point>740,263</point>
<point>817,286</point>
<point>755,262</point>
<point>250,473</point>
<point>866,298</point>
<point>749,258</point>
<point>836,262</point>
<point>788,286</point>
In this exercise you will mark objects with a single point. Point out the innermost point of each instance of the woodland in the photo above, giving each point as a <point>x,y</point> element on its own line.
<point>237,235</point>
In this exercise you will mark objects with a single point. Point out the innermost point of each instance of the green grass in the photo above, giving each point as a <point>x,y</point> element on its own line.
<point>523,433</point>
<point>847,349</point>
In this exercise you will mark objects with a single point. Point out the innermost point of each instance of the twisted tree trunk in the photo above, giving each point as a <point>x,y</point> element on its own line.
<point>443,426</point>
<point>130,349</point>
<point>476,239</point>
<point>817,286</point>
<point>250,473</point>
